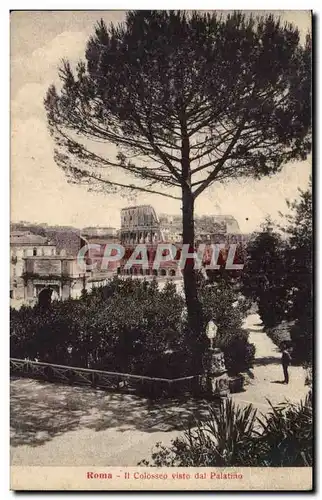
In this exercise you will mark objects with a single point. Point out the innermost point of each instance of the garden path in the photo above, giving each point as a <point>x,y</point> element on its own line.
<point>267,374</point>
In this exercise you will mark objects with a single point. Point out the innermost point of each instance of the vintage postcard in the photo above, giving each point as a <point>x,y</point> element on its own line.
<point>161,250</point>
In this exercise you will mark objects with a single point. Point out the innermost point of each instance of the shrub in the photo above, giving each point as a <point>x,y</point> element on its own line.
<point>225,305</point>
<point>239,353</point>
<point>280,333</point>
<point>131,326</point>
<point>308,375</point>
<point>127,326</point>
<point>231,436</point>
<point>302,339</point>
<point>287,436</point>
<point>225,438</point>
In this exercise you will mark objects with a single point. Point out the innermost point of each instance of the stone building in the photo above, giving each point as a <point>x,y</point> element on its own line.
<point>96,239</point>
<point>24,244</point>
<point>208,228</point>
<point>140,224</point>
<point>59,274</point>
<point>171,227</point>
<point>37,267</point>
<point>217,229</point>
<point>167,269</point>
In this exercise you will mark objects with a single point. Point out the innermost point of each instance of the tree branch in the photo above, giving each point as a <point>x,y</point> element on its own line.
<point>220,164</point>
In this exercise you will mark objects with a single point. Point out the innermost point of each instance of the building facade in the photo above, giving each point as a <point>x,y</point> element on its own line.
<point>140,224</point>
<point>24,244</point>
<point>37,265</point>
<point>37,268</point>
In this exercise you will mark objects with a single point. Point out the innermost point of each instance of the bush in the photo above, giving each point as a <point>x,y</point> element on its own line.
<point>302,339</point>
<point>127,326</point>
<point>223,439</point>
<point>228,308</point>
<point>280,333</point>
<point>287,437</point>
<point>131,326</point>
<point>231,436</point>
<point>278,275</point>
<point>298,334</point>
<point>239,353</point>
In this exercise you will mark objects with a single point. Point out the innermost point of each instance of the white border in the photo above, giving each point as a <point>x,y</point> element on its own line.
<point>4,185</point>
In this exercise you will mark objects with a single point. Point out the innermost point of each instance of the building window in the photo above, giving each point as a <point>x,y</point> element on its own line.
<point>11,294</point>
<point>34,252</point>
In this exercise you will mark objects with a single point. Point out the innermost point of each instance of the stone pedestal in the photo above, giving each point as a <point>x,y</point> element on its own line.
<point>215,381</point>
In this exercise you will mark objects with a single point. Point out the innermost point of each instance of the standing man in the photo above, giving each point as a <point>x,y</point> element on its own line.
<point>286,361</point>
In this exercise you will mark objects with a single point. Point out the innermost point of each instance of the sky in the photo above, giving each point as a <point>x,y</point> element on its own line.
<point>39,189</point>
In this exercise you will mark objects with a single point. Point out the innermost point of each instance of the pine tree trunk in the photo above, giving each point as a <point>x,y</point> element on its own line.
<point>188,237</point>
<point>189,273</point>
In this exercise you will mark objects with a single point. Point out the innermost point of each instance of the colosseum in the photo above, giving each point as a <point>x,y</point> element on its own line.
<point>141,224</point>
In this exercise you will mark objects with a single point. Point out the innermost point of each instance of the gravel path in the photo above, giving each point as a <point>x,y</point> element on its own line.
<point>268,372</point>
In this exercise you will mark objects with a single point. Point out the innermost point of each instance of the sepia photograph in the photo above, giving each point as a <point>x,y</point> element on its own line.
<point>161,250</point>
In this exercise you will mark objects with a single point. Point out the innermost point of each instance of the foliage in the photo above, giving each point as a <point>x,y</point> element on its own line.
<point>234,436</point>
<point>281,333</point>
<point>126,326</point>
<point>287,436</point>
<point>264,274</point>
<point>278,276</point>
<point>195,97</point>
<point>227,308</point>
<point>302,337</point>
<point>163,77</point>
<point>129,326</point>
<point>222,440</point>
<point>299,257</point>
<point>308,375</point>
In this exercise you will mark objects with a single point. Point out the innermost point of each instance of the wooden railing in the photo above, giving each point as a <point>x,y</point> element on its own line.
<point>149,386</point>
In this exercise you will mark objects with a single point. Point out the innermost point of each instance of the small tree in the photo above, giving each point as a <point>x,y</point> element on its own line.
<point>299,285</point>
<point>278,274</point>
<point>195,97</point>
<point>265,274</point>
<point>222,303</point>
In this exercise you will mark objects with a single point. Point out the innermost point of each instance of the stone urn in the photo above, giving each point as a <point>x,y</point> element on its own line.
<point>215,380</point>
